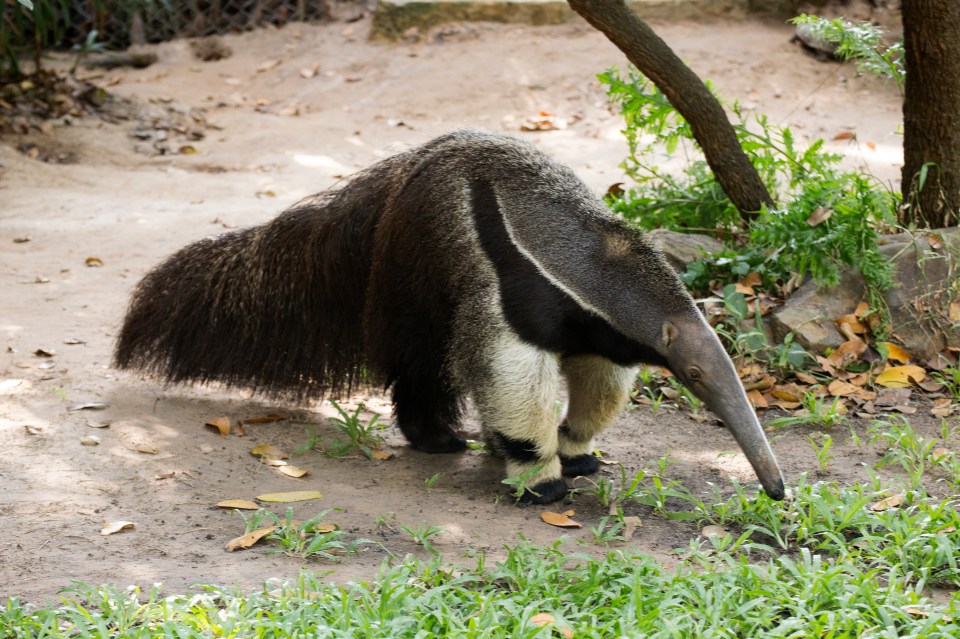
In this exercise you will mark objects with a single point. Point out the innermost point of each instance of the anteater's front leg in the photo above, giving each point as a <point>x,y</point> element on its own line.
<point>598,390</point>
<point>517,405</point>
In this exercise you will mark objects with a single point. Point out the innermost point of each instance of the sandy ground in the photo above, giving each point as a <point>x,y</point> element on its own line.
<point>277,136</point>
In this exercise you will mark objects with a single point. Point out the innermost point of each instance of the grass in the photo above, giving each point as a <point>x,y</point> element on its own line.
<point>356,435</point>
<point>826,412</point>
<point>712,593</point>
<point>831,560</point>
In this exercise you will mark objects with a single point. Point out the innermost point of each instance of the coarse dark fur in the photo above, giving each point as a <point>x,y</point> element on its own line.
<point>470,266</point>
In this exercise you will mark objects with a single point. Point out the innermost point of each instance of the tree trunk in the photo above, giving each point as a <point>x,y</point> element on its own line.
<point>688,94</point>
<point>931,113</point>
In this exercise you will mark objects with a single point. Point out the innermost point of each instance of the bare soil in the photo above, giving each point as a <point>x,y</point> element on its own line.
<point>289,113</point>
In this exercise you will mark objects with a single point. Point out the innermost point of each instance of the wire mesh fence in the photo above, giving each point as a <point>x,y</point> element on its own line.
<point>120,23</point>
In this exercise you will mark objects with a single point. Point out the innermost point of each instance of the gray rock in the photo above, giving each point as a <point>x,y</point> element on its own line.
<point>811,311</point>
<point>683,248</point>
<point>926,281</point>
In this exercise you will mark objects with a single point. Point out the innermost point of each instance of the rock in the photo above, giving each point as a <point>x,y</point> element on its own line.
<point>683,248</point>
<point>814,42</point>
<point>926,275</point>
<point>924,302</point>
<point>811,311</point>
<point>210,49</point>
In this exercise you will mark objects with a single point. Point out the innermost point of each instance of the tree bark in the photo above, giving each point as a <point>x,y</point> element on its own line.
<point>688,94</point>
<point>931,113</point>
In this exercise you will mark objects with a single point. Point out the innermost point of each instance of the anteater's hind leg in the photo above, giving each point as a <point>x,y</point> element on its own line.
<point>598,391</point>
<point>517,405</point>
<point>426,409</point>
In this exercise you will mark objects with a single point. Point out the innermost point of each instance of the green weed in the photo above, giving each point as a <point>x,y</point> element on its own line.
<point>949,378</point>
<point>861,42</point>
<point>821,449</point>
<point>519,482</point>
<point>422,533</point>
<point>607,531</point>
<point>357,435</point>
<point>781,243</point>
<point>429,482</point>
<point>311,538</point>
<point>816,411</point>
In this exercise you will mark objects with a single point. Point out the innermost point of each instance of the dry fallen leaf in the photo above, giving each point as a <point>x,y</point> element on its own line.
<point>845,135</point>
<point>819,216</point>
<point>381,455</point>
<point>757,400</point>
<point>543,121</point>
<point>838,388</point>
<point>900,376</point>
<point>849,351</point>
<point>559,520</point>
<point>895,352</point>
<point>916,612</point>
<point>93,261</point>
<point>322,529</point>
<point>269,64</point>
<point>887,503</point>
<point>222,424</point>
<point>292,471</point>
<point>906,410</point>
<point>112,527</point>
<point>714,531</point>
<point>787,393</point>
<point>764,383</point>
<point>541,619</point>
<point>88,406</point>
<point>240,504</point>
<point>953,312</point>
<point>266,452</point>
<point>296,495</point>
<point>630,525</point>
<point>942,407</point>
<point>245,541</point>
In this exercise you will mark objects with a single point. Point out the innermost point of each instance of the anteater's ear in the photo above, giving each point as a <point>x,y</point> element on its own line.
<point>668,334</point>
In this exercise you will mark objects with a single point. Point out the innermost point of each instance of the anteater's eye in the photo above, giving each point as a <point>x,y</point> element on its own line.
<point>694,373</point>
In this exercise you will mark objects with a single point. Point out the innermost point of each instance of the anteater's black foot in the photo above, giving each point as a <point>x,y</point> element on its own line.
<point>579,466</point>
<point>440,441</point>
<point>546,492</point>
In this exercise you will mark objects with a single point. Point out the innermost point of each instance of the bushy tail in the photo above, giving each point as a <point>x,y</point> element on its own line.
<point>276,308</point>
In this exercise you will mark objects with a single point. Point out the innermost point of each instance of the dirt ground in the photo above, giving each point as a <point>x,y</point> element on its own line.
<point>289,113</point>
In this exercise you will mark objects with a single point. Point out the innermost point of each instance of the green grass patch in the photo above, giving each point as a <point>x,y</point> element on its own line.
<point>829,561</point>
<point>711,593</point>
